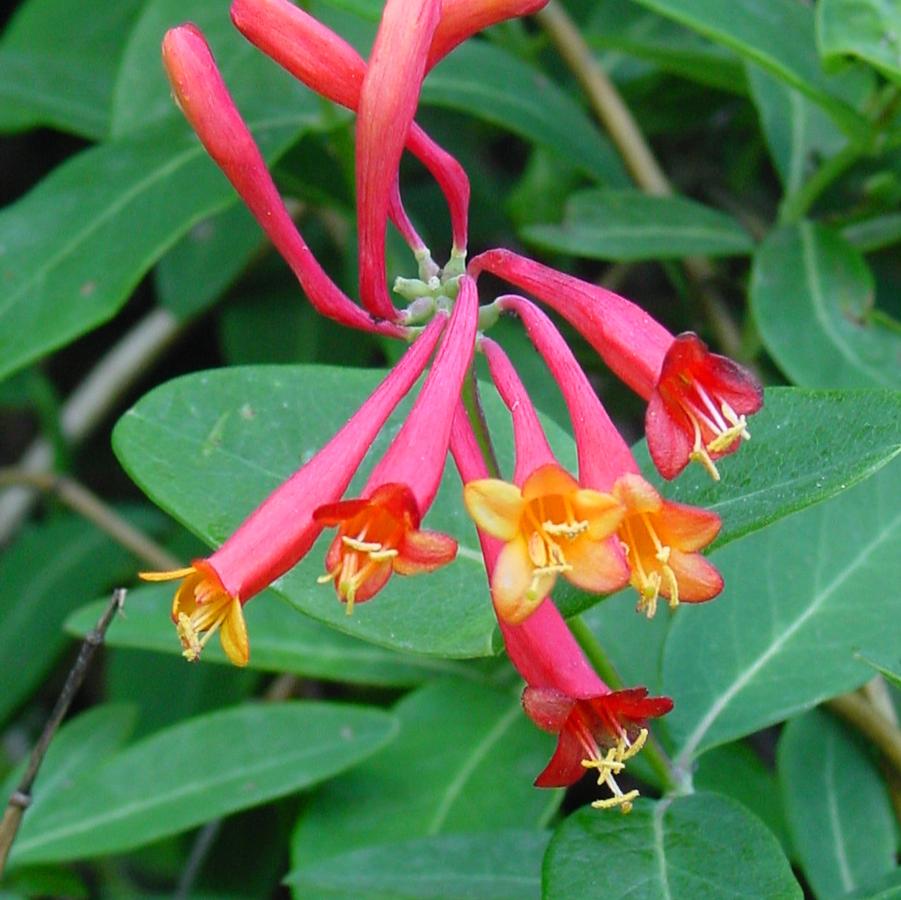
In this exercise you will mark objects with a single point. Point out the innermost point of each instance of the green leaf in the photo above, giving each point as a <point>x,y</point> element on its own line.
<point>207,767</point>
<point>80,745</point>
<point>485,81</point>
<point>812,297</point>
<point>75,247</point>
<point>464,760</point>
<point>280,641</point>
<point>738,772</point>
<point>210,447</point>
<point>46,573</point>
<point>698,846</point>
<point>634,33</point>
<point>837,806</point>
<point>777,35</point>
<point>142,94</point>
<point>806,447</point>
<point>58,63</point>
<point>782,642</point>
<point>872,234</point>
<point>494,865</point>
<point>798,132</point>
<point>631,225</point>
<point>867,29</point>
<point>205,262</point>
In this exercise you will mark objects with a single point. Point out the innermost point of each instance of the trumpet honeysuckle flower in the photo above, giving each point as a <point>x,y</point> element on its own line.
<point>206,103</point>
<point>699,407</point>
<point>662,541</point>
<point>388,99</point>
<point>549,524</point>
<point>698,401</point>
<point>329,65</point>
<point>379,533</point>
<point>283,528</point>
<point>599,733</point>
<point>599,729</point>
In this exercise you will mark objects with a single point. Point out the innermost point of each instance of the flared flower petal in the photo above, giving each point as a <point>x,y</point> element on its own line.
<point>698,410</point>
<point>661,539</point>
<point>201,607</point>
<point>551,527</point>
<point>379,536</point>
<point>599,733</point>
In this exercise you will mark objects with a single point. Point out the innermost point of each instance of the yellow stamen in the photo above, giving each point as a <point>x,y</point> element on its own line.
<point>195,630</point>
<point>613,762</point>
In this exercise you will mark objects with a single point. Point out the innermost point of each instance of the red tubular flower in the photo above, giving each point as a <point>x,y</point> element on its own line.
<point>388,100</point>
<point>549,524</point>
<point>326,63</point>
<point>283,528</point>
<point>661,539</point>
<point>598,728</point>
<point>208,106</point>
<point>697,401</point>
<point>379,534</point>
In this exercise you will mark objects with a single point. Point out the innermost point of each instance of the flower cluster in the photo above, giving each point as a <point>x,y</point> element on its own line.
<point>601,528</point>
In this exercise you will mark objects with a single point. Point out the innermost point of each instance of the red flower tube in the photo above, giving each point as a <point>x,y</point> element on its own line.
<point>329,65</point>
<point>597,728</point>
<point>379,533</point>
<point>208,106</point>
<point>698,402</point>
<point>661,539</point>
<point>283,528</point>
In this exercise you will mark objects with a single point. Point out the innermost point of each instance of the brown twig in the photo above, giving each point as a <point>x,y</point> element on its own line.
<point>21,796</point>
<point>614,115</point>
<point>88,505</point>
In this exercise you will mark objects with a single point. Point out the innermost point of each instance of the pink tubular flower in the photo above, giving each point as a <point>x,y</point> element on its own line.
<point>283,528</point>
<point>388,99</point>
<point>549,524</point>
<point>661,539</point>
<point>697,401</point>
<point>379,534</point>
<point>597,728</point>
<point>208,106</point>
<point>326,63</point>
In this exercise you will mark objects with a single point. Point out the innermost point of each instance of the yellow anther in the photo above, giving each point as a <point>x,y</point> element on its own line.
<point>570,530</point>
<point>700,455</point>
<point>628,750</point>
<point>361,546</point>
<point>188,637</point>
<point>623,801</point>
<point>380,555</point>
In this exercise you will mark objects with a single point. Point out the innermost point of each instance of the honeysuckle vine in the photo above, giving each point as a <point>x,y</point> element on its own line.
<point>601,528</point>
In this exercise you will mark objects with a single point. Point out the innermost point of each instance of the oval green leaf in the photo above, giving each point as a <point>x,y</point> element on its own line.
<point>464,759</point>
<point>206,767</point>
<point>485,81</point>
<point>630,225</point>
<point>702,845</point>
<point>785,640</point>
<point>812,297</point>
<point>493,865</point>
<point>837,806</point>
<point>280,640</point>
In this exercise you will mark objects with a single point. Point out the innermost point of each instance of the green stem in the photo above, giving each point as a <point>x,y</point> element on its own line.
<point>479,426</point>
<point>591,647</point>
<point>795,206</point>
